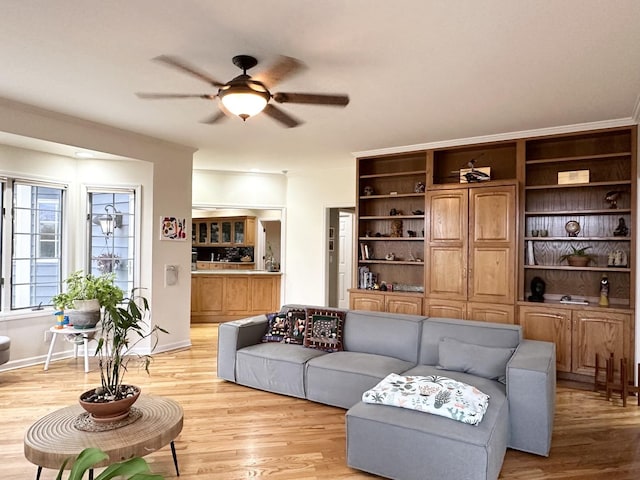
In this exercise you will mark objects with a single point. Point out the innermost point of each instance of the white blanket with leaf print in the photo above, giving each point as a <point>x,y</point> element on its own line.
<point>432,394</point>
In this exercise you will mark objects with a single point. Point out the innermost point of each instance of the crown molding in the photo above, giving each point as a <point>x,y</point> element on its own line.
<point>500,137</point>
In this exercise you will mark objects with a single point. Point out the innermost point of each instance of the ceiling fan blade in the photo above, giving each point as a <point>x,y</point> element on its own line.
<point>185,67</point>
<point>311,98</point>
<point>215,118</point>
<point>285,67</point>
<point>281,116</point>
<point>154,96</point>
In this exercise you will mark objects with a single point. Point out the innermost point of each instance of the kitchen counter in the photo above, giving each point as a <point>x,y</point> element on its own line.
<point>233,272</point>
<point>223,295</point>
<point>217,265</point>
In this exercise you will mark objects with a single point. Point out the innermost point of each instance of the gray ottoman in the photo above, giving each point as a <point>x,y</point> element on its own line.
<point>5,345</point>
<point>405,444</point>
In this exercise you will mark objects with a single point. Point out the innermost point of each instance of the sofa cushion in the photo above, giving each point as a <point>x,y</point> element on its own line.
<point>324,329</point>
<point>340,378</point>
<point>487,362</point>
<point>278,327</point>
<point>478,333</point>
<point>393,335</point>
<point>275,367</point>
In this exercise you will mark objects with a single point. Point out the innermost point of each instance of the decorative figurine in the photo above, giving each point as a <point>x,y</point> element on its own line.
<point>604,291</point>
<point>617,258</point>
<point>390,256</point>
<point>622,230</point>
<point>573,228</point>
<point>396,228</point>
<point>612,198</point>
<point>368,190</point>
<point>537,290</point>
<point>419,188</point>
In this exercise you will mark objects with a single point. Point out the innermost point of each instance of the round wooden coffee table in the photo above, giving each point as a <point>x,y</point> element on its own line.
<point>56,437</point>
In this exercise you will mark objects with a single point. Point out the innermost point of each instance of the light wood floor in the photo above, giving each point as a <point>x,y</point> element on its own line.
<point>233,432</point>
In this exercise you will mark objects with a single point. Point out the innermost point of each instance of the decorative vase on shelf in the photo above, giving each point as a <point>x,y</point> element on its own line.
<point>578,260</point>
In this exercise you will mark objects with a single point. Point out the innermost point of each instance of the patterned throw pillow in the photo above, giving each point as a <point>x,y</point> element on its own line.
<point>324,329</point>
<point>277,328</point>
<point>297,318</point>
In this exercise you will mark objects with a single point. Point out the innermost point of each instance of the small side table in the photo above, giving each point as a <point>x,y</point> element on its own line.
<point>85,334</point>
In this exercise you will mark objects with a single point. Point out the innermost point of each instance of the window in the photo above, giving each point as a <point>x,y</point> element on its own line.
<point>112,234</point>
<point>36,243</point>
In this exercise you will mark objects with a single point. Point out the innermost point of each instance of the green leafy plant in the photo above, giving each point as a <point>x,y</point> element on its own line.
<point>88,287</point>
<point>123,327</point>
<point>576,252</point>
<point>135,468</point>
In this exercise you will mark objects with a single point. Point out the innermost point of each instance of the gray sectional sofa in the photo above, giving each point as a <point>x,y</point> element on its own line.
<point>400,443</point>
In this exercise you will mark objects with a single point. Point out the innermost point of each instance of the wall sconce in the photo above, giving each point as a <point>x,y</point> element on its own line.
<point>108,222</point>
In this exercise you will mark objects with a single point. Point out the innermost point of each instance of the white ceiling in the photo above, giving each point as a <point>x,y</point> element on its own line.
<point>416,71</point>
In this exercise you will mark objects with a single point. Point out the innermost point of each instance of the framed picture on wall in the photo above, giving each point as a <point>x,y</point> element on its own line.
<point>173,228</point>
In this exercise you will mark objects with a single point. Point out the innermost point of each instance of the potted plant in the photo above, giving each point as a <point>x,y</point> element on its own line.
<point>577,257</point>
<point>85,295</point>
<point>123,327</point>
<point>135,468</point>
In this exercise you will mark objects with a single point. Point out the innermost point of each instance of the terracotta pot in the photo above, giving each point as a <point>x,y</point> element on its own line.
<point>578,260</point>
<point>108,411</point>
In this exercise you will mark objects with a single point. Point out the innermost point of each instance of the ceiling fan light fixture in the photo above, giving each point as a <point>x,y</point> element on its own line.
<point>244,101</point>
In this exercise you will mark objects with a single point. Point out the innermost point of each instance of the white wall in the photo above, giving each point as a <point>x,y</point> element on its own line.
<point>233,189</point>
<point>166,191</point>
<point>306,229</point>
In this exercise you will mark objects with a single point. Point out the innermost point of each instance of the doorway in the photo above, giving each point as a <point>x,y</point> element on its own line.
<point>339,256</point>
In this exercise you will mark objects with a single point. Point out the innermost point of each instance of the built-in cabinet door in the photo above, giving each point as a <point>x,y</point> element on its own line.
<point>238,232</point>
<point>214,232</point>
<point>403,304</point>
<point>250,232</point>
<point>264,292</point>
<point>446,273</point>
<point>209,294</point>
<point>225,231</point>
<point>603,333</point>
<point>236,295</point>
<point>202,233</point>
<point>549,325</point>
<point>492,219</point>
<point>435,307</point>
<point>490,312</point>
<point>362,301</point>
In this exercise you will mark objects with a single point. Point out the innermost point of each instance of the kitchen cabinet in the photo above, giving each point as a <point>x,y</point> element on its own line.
<point>221,232</point>
<point>223,296</point>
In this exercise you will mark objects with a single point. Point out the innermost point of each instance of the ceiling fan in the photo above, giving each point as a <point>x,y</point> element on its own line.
<point>246,96</point>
